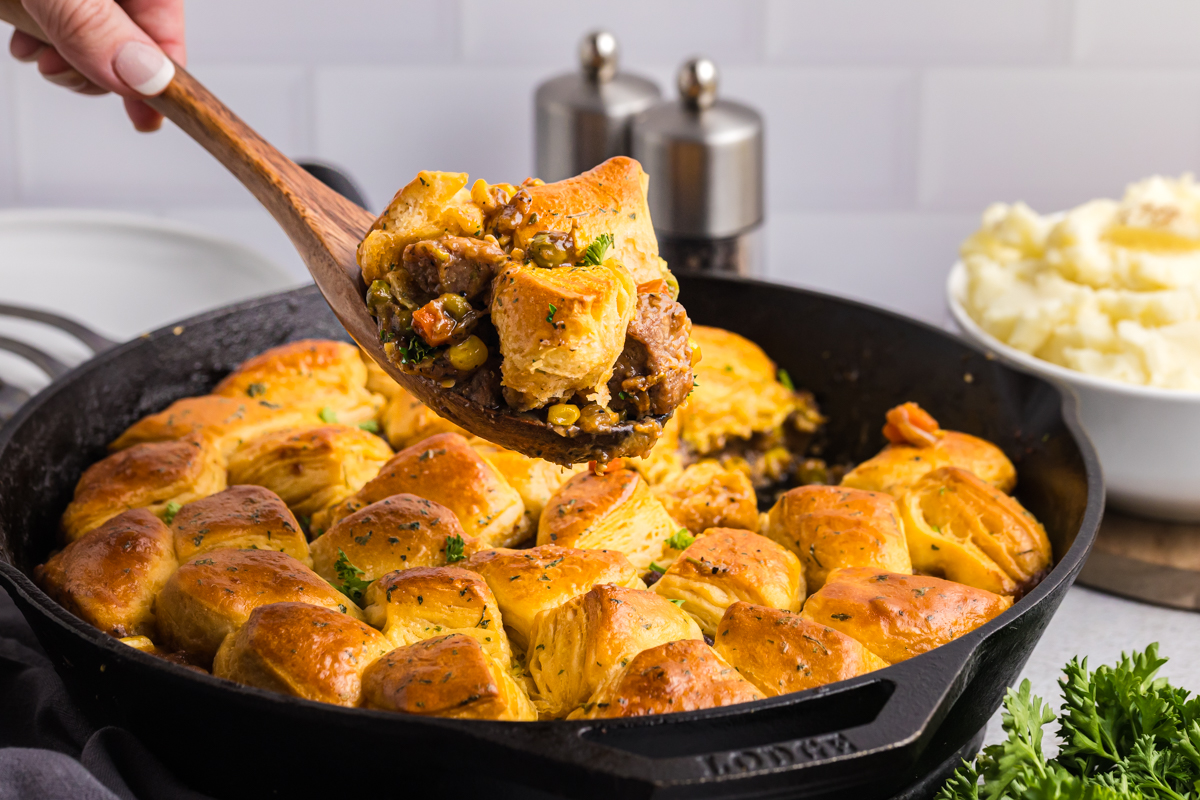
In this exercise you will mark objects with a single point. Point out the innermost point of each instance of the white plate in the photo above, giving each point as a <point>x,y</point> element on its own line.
<point>121,274</point>
<point>1148,438</point>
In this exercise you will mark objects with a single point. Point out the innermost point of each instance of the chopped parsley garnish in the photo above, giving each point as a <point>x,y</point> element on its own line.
<point>327,414</point>
<point>371,426</point>
<point>786,380</point>
<point>553,311</point>
<point>454,549</point>
<point>676,602</point>
<point>680,539</point>
<point>351,585</point>
<point>255,389</point>
<point>171,510</point>
<point>595,252</point>
<point>657,568</point>
<point>415,350</point>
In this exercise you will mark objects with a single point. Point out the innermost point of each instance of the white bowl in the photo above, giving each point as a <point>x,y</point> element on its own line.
<point>1148,438</point>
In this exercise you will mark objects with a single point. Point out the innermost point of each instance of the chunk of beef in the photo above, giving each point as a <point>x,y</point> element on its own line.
<point>454,264</point>
<point>654,372</point>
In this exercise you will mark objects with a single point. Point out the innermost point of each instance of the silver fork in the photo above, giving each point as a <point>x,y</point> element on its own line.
<point>12,397</point>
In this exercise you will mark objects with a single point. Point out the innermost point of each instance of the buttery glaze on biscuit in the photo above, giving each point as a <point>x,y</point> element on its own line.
<point>966,530</point>
<point>110,576</point>
<point>447,676</point>
<point>154,475</point>
<point>238,518</point>
<point>212,595</point>
<point>899,616</point>
<point>830,527</point>
<point>780,652</point>
<point>676,676</point>
<point>398,532</point>
<point>709,495</point>
<point>534,479</point>
<point>527,582</point>
<point>311,469</point>
<point>918,446</point>
<point>577,646</point>
<point>318,375</point>
<point>226,421</point>
<point>406,421</point>
<point>445,469</point>
<point>301,650</point>
<point>726,565</point>
<point>614,511</point>
<point>424,602</point>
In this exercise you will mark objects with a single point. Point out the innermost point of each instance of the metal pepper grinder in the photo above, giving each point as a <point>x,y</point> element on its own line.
<point>704,157</point>
<point>582,118</point>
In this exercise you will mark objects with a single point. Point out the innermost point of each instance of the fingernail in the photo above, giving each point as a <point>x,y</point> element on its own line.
<point>143,68</point>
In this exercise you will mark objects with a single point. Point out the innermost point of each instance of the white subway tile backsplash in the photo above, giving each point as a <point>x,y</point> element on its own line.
<point>322,32</point>
<point>919,31</point>
<point>1137,33</point>
<point>386,124</point>
<point>547,33</point>
<point>9,156</point>
<point>82,150</point>
<point>897,261</point>
<point>839,140</point>
<point>1052,138</point>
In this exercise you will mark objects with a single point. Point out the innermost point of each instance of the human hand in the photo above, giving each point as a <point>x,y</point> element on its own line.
<point>99,46</point>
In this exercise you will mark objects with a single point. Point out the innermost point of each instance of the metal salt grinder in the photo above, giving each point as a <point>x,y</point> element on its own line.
<point>704,157</point>
<point>582,118</point>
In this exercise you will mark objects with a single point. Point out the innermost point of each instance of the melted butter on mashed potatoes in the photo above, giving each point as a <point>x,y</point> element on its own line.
<point>1110,288</point>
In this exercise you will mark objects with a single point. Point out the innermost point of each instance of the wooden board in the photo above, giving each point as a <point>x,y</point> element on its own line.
<point>1157,562</point>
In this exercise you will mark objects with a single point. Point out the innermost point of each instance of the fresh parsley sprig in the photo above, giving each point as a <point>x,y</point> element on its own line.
<point>1125,735</point>
<point>350,584</point>
<point>594,254</point>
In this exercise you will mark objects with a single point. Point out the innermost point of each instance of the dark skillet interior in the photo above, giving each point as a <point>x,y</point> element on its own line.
<point>858,361</point>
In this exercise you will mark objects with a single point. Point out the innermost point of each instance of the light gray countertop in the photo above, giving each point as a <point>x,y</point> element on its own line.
<point>1100,626</point>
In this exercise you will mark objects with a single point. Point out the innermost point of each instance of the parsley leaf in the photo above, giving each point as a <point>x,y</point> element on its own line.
<point>255,389</point>
<point>786,380</point>
<point>370,426</point>
<point>553,311</point>
<point>454,549</point>
<point>170,511</point>
<point>351,585</point>
<point>676,602</point>
<point>680,539</point>
<point>415,350</point>
<point>327,414</point>
<point>595,252</point>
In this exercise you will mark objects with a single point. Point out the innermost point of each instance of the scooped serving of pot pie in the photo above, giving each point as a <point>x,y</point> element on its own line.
<point>548,300</point>
<point>272,536</point>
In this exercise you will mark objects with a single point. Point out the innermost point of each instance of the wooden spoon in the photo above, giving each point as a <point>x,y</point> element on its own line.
<point>326,229</point>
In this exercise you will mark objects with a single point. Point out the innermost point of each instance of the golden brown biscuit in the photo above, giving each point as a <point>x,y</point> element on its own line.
<point>421,603</point>
<point>448,676</point>
<point>918,446</point>
<point>526,582</point>
<point>535,479</point>
<point>708,495</point>
<point>301,650</point>
<point>398,532</point>
<point>406,421</point>
<point>212,595</point>
<point>830,527</point>
<point>968,531</point>
<point>780,652</point>
<point>110,576</point>
<point>737,394</point>
<point>226,421</point>
<point>614,511</point>
<point>561,330</point>
<point>669,678</point>
<point>318,375</point>
<point>444,469</point>
<point>238,518</point>
<point>378,381</point>
<point>726,565</point>
<point>577,646</point>
<point>160,476</point>
<point>899,616</point>
<point>310,469</point>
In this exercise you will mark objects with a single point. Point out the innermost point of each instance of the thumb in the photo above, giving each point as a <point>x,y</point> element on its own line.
<point>99,40</point>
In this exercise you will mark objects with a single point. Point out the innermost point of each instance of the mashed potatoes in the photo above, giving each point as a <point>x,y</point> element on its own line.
<point>1109,288</point>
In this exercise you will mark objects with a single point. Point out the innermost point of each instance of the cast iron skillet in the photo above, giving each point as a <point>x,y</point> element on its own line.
<point>870,736</point>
